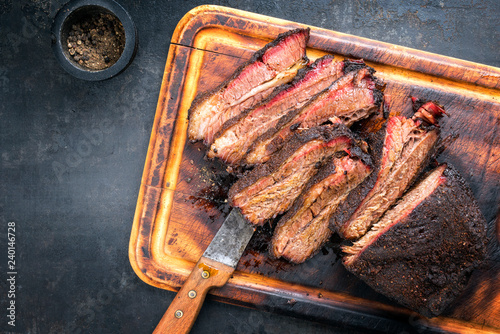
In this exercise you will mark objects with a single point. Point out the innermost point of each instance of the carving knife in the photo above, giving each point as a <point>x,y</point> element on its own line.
<point>214,269</point>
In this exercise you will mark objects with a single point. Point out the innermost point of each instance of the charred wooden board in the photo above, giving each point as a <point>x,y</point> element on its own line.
<point>182,199</point>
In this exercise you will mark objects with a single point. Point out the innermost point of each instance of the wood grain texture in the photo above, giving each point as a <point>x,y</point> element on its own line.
<point>181,202</point>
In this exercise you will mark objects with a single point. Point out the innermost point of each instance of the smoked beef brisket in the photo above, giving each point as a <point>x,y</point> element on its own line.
<point>271,188</point>
<point>232,142</point>
<point>273,65</point>
<point>302,231</point>
<point>418,248</point>
<point>408,146</point>
<point>422,252</point>
<point>351,98</point>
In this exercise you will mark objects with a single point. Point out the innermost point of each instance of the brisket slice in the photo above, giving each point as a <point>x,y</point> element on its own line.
<point>375,142</point>
<point>351,98</point>
<point>273,65</point>
<point>235,137</point>
<point>302,231</point>
<point>271,188</point>
<point>422,252</point>
<point>408,146</point>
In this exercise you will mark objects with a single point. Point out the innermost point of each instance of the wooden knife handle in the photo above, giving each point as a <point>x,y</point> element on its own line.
<point>182,312</point>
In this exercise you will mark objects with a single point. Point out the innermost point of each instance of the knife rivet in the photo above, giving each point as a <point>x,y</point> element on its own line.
<point>192,294</point>
<point>179,314</point>
<point>205,274</point>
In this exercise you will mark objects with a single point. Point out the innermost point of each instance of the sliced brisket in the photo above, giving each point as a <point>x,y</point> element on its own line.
<point>271,188</point>
<point>302,231</point>
<point>407,148</point>
<point>422,252</point>
<point>236,136</point>
<point>350,98</point>
<point>273,65</point>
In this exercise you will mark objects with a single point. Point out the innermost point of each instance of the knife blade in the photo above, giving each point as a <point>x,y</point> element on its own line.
<point>213,269</point>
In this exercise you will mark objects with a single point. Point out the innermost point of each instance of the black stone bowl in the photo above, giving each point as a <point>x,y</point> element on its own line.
<point>71,13</point>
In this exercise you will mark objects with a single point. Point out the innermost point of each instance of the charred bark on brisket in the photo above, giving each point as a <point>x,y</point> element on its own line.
<point>273,65</point>
<point>422,252</point>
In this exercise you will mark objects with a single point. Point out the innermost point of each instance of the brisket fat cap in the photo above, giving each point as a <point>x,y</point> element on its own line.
<point>303,230</point>
<point>350,98</point>
<point>236,136</point>
<point>273,65</point>
<point>422,252</point>
<point>406,151</point>
<point>271,188</point>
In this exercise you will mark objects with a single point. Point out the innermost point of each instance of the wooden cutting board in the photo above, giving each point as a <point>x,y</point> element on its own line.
<point>182,198</point>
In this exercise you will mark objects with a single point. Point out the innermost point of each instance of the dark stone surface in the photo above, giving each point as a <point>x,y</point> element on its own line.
<point>72,155</point>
